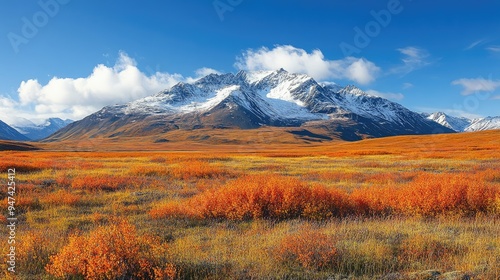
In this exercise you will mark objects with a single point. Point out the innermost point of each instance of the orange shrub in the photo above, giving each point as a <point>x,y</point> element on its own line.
<point>170,271</point>
<point>22,166</point>
<point>281,197</point>
<point>101,182</point>
<point>192,169</point>
<point>260,196</point>
<point>429,195</point>
<point>114,251</point>
<point>24,201</point>
<point>172,209</point>
<point>61,197</point>
<point>33,250</point>
<point>195,169</point>
<point>433,194</point>
<point>307,248</point>
<point>63,180</point>
<point>374,200</point>
<point>490,175</point>
<point>156,170</point>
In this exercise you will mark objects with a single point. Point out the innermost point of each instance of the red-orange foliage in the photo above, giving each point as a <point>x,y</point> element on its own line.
<point>114,251</point>
<point>101,182</point>
<point>307,248</point>
<point>337,176</point>
<point>280,197</point>
<point>374,200</point>
<point>61,197</point>
<point>185,170</point>
<point>258,196</point>
<point>156,170</point>
<point>33,249</point>
<point>23,166</point>
<point>195,169</point>
<point>430,195</point>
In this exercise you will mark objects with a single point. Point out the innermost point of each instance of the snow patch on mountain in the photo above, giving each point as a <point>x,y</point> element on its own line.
<point>456,123</point>
<point>205,103</point>
<point>461,124</point>
<point>262,98</point>
<point>39,129</point>
<point>488,123</point>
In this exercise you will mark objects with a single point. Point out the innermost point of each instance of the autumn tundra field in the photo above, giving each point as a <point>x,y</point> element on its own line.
<point>408,207</point>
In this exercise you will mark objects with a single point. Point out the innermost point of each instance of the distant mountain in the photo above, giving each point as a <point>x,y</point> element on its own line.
<point>463,124</point>
<point>249,100</point>
<point>39,131</point>
<point>484,124</point>
<point>9,133</point>
<point>456,123</point>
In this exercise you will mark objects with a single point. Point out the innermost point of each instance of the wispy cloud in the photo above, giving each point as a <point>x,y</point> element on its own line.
<point>413,58</point>
<point>387,95</point>
<point>475,44</point>
<point>313,64</point>
<point>495,49</point>
<point>407,85</point>
<point>471,86</point>
<point>495,97</point>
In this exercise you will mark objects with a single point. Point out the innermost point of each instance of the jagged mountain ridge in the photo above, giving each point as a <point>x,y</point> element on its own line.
<point>254,99</point>
<point>460,124</point>
<point>487,123</point>
<point>456,123</point>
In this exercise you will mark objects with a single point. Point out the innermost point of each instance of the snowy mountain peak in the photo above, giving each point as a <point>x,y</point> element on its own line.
<point>252,77</point>
<point>461,124</point>
<point>455,123</point>
<point>487,123</point>
<point>251,99</point>
<point>271,95</point>
<point>44,128</point>
<point>353,90</point>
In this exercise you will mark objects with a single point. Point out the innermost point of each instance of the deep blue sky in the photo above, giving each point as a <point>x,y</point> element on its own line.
<point>432,55</point>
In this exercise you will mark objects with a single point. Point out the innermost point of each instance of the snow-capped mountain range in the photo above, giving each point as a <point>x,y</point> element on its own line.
<point>459,124</point>
<point>251,100</point>
<point>24,129</point>
<point>39,131</point>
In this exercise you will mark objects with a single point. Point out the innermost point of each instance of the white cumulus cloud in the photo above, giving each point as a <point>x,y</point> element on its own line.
<point>75,98</point>
<point>79,97</point>
<point>314,64</point>
<point>476,85</point>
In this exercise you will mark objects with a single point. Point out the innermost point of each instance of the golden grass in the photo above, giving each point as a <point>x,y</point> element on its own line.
<point>396,205</point>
